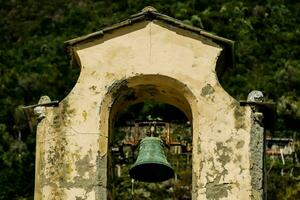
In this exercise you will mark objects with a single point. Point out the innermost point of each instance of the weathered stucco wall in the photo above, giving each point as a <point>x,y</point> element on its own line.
<point>146,60</point>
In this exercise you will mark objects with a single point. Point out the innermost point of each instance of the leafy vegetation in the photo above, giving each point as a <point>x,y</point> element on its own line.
<point>33,62</point>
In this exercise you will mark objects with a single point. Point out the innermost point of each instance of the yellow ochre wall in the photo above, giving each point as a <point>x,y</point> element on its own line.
<point>142,61</point>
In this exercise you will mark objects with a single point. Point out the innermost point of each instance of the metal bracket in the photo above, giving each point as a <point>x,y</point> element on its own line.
<point>49,104</point>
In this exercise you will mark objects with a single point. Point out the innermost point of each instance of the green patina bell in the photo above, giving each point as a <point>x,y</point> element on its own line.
<point>151,164</point>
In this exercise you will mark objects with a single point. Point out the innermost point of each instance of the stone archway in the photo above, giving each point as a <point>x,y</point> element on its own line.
<point>139,89</point>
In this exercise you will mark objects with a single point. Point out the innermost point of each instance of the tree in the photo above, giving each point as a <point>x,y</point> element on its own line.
<point>33,61</point>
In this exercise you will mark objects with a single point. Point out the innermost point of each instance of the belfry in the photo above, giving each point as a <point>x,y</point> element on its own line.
<point>150,56</point>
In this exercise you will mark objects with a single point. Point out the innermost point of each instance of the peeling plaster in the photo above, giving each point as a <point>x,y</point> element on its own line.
<point>215,192</point>
<point>73,159</point>
<point>223,153</point>
<point>239,114</point>
<point>207,90</point>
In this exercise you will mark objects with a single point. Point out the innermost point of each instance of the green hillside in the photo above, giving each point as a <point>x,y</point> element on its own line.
<point>33,62</point>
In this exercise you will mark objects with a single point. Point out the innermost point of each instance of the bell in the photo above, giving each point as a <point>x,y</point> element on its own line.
<point>151,164</point>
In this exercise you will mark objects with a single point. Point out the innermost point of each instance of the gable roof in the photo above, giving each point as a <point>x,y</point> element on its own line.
<point>148,14</point>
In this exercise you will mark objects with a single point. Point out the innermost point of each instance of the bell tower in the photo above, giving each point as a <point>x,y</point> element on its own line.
<point>150,56</point>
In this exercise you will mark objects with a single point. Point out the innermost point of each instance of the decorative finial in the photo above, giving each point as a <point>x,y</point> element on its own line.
<point>255,96</point>
<point>40,111</point>
<point>149,9</point>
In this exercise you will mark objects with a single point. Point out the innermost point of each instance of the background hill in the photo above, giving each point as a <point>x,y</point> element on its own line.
<point>33,62</point>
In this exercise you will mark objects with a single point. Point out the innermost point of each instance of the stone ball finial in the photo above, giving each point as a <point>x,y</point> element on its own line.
<point>255,96</point>
<point>149,8</point>
<point>40,111</point>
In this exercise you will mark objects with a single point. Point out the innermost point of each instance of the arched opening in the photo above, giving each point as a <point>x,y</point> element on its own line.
<point>143,101</point>
<point>172,126</point>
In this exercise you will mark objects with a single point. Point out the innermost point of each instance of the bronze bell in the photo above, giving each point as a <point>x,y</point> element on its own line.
<point>151,164</point>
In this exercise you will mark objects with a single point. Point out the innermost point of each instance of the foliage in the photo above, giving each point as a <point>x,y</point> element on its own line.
<point>17,166</point>
<point>33,61</point>
<point>283,179</point>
